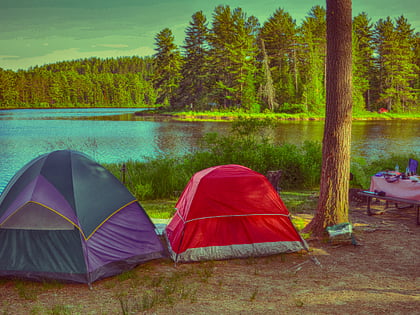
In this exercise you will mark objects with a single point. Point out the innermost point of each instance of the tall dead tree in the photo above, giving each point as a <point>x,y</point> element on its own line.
<point>333,201</point>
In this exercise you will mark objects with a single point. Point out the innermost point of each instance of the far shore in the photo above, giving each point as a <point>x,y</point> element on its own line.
<point>161,113</point>
<point>231,116</point>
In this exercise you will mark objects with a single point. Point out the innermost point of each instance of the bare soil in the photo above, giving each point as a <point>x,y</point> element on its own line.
<point>379,275</point>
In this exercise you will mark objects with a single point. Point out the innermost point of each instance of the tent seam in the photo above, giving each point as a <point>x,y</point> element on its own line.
<point>108,217</point>
<point>45,206</point>
<point>238,215</point>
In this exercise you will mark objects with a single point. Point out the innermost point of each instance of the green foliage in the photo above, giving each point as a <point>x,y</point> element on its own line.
<point>81,83</point>
<point>363,168</point>
<point>153,179</point>
<point>293,108</point>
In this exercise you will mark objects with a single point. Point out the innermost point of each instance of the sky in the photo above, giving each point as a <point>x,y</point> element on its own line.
<point>38,32</point>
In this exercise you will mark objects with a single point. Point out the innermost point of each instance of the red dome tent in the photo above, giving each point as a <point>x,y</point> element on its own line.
<point>230,211</point>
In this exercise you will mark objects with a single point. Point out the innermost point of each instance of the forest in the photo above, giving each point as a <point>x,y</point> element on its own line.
<point>234,61</point>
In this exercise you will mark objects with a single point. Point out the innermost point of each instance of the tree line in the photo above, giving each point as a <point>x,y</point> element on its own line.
<point>235,62</point>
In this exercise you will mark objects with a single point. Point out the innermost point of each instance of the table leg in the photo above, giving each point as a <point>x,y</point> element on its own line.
<point>368,205</point>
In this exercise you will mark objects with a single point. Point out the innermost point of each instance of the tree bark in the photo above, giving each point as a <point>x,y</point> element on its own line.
<point>335,174</point>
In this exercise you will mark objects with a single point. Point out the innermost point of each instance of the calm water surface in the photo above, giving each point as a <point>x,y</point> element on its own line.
<point>114,135</point>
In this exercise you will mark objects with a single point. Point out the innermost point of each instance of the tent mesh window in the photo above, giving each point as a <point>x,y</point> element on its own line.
<point>33,216</point>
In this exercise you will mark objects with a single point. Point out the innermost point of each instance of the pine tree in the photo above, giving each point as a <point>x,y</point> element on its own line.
<point>232,55</point>
<point>8,92</point>
<point>362,61</point>
<point>407,68</point>
<point>193,87</point>
<point>267,90</point>
<point>313,69</point>
<point>279,35</point>
<point>395,64</point>
<point>168,62</point>
<point>416,83</point>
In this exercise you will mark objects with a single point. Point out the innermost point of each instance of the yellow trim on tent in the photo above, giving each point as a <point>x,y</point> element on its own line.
<point>116,211</point>
<point>67,219</point>
<point>49,208</point>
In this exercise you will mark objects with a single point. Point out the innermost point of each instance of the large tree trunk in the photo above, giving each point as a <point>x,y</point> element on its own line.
<point>335,175</point>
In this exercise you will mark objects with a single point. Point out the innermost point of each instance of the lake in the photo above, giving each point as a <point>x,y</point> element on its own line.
<point>112,135</point>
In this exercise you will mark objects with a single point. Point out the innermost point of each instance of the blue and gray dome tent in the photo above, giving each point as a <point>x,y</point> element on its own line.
<point>65,217</point>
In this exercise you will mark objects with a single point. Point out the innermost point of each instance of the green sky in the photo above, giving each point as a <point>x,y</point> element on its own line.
<point>36,32</point>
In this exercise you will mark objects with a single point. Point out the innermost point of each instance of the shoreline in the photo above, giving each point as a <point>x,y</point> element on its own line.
<point>227,117</point>
<point>159,113</point>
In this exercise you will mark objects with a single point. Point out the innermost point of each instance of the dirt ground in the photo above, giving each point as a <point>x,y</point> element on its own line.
<point>379,275</point>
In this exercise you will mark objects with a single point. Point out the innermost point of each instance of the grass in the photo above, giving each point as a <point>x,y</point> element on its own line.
<point>136,290</point>
<point>162,290</point>
<point>299,201</point>
<point>26,290</point>
<point>229,115</point>
<point>295,201</point>
<point>160,209</point>
<point>254,294</point>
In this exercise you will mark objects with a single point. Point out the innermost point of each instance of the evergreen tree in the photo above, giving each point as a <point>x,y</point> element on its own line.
<point>313,31</point>
<point>407,68</point>
<point>395,64</point>
<point>416,83</point>
<point>279,35</point>
<point>232,55</point>
<point>9,94</point>
<point>267,90</point>
<point>383,39</point>
<point>362,61</point>
<point>168,63</point>
<point>194,88</point>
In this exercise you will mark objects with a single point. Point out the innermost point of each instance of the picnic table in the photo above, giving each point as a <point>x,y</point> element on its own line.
<point>394,190</point>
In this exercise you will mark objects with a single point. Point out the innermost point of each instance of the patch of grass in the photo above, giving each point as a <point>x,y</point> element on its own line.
<point>52,285</point>
<point>283,257</point>
<point>60,309</point>
<point>299,201</point>
<point>26,290</point>
<point>299,223</point>
<point>160,209</point>
<point>161,290</point>
<point>206,271</point>
<point>299,303</point>
<point>130,274</point>
<point>254,294</point>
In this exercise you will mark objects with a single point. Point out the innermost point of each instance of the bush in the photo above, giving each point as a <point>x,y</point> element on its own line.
<point>363,168</point>
<point>293,108</point>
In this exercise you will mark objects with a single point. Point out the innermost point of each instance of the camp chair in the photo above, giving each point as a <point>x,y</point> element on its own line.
<point>274,178</point>
<point>412,166</point>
